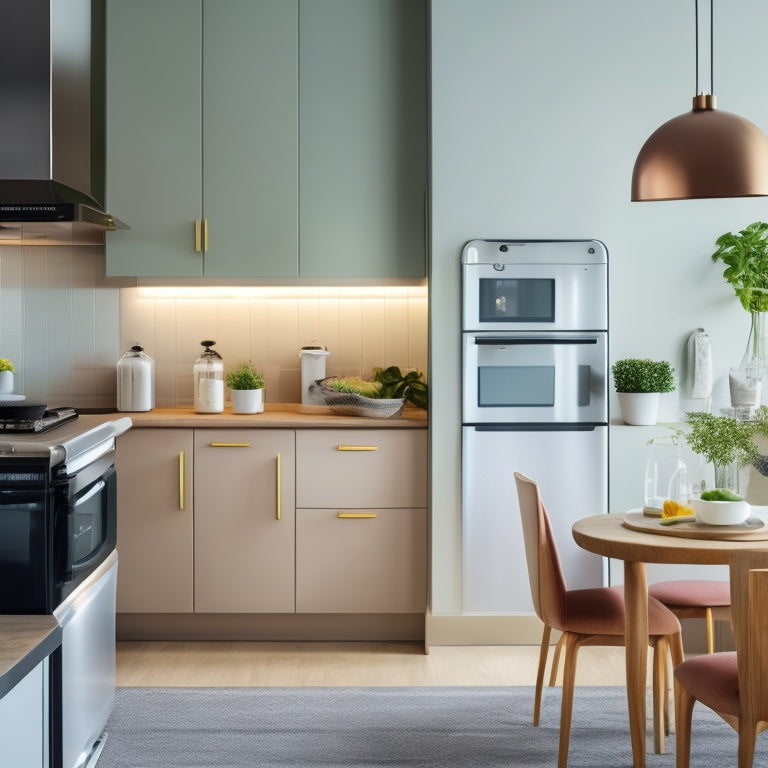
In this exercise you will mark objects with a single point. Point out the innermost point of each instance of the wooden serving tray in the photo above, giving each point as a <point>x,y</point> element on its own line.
<point>753,530</point>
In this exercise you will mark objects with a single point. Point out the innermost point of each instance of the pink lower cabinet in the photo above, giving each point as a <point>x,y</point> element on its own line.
<point>361,521</point>
<point>361,561</point>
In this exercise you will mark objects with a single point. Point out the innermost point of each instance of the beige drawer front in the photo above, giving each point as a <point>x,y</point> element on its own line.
<point>361,560</point>
<point>361,468</point>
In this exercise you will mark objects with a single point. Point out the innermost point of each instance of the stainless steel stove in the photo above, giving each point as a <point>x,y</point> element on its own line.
<point>50,419</point>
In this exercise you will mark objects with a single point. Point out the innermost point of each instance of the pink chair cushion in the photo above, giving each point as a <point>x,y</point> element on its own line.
<point>712,679</point>
<point>601,611</point>
<point>692,593</point>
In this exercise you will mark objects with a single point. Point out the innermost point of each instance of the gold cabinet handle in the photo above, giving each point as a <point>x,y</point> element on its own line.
<point>181,480</point>
<point>357,448</point>
<point>356,515</point>
<point>230,445</point>
<point>205,235</point>
<point>278,489</point>
<point>198,236</point>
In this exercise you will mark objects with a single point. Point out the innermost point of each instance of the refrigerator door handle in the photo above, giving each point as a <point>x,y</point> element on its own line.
<point>585,426</point>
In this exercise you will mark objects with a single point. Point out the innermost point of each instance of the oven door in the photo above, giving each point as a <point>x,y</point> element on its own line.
<point>25,535</point>
<point>534,297</point>
<point>524,378</point>
<point>85,515</point>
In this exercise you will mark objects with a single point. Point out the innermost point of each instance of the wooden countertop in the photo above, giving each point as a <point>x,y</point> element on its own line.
<point>275,415</point>
<point>24,642</point>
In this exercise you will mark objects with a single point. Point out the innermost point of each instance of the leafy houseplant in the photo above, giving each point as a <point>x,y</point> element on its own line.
<point>6,375</point>
<point>245,376</point>
<point>746,264</point>
<point>639,383</point>
<point>634,375</point>
<point>723,440</point>
<point>247,385</point>
<point>745,256</point>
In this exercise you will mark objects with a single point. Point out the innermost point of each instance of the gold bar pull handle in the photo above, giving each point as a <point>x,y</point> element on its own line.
<point>198,236</point>
<point>356,515</point>
<point>205,235</point>
<point>181,480</point>
<point>230,445</point>
<point>278,489</point>
<point>357,448</point>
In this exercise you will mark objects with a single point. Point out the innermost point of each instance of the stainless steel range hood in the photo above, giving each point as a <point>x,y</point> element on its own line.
<point>52,123</point>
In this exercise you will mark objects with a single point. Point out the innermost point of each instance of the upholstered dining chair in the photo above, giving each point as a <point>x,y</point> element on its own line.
<point>706,599</point>
<point>585,617</point>
<point>733,684</point>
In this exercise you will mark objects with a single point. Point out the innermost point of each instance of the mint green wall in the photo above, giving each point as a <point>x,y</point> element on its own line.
<point>539,108</point>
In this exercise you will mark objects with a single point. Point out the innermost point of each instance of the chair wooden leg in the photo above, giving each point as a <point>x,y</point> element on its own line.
<point>540,674</point>
<point>710,630</point>
<point>556,661</point>
<point>683,712</point>
<point>659,693</point>
<point>747,736</point>
<point>569,680</point>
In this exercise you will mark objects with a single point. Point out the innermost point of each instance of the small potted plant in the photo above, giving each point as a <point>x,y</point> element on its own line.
<point>639,384</point>
<point>6,376</point>
<point>725,443</point>
<point>247,386</point>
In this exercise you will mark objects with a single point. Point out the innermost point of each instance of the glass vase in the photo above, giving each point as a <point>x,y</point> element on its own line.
<point>727,476</point>
<point>746,381</point>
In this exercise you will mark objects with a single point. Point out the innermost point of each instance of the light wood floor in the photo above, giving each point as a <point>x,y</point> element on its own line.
<point>242,664</point>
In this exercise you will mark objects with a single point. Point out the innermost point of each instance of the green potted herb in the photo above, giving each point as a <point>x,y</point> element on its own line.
<point>639,384</point>
<point>725,442</point>
<point>745,256</point>
<point>6,376</point>
<point>247,385</point>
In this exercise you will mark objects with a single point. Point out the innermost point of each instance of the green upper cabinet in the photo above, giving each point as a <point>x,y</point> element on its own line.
<point>202,122</point>
<point>362,138</point>
<point>293,131</point>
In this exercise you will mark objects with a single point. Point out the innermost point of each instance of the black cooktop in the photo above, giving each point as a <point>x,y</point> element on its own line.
<point>50,419</point>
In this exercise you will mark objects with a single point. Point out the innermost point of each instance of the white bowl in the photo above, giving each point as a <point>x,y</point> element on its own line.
<point>720,512</point>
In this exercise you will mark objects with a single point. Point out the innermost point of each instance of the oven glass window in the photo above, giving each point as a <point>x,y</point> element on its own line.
<point>89,530</point>
<point>516,386</point>
<point>530,300</point>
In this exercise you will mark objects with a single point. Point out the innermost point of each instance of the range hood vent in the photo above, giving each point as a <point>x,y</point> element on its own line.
<point>52,123</point>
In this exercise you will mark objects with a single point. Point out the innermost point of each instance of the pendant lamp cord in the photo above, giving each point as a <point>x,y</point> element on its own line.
<point>711,46</point>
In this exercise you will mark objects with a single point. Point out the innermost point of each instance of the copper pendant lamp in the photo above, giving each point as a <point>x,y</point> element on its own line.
<point>702,153</point>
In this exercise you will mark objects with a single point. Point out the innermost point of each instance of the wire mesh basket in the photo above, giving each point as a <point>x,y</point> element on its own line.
<point>352,404</point>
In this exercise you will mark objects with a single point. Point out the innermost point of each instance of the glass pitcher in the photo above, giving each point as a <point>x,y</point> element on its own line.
<point>208,376</point>
<point>666,475</point>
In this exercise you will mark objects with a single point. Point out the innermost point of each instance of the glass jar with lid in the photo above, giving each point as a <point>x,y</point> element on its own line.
<point>208,380</point>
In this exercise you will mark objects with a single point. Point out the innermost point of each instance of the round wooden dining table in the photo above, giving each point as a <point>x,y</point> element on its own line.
<point>610,536</point>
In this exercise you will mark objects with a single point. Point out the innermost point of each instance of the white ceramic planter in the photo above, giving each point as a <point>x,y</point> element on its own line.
<point>639,408</point>
<point>6,382</point>
<point>247,400</point>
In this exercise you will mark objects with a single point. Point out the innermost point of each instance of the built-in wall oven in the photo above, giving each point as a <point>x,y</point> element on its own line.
<point>534,400</point>
<point>58,527</point>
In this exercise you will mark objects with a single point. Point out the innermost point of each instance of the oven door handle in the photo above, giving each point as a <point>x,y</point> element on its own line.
<point>494,341</point>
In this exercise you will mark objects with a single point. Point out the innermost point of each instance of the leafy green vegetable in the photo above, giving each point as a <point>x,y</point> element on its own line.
<point>720,494</point>
<point>411,386</point>
<point>357,386</point>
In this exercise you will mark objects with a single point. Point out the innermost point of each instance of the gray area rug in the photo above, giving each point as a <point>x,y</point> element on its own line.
<point>445,727</point>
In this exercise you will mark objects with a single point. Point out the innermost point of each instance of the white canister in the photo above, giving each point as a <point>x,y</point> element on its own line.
<point>135,381</point>
<point>312,368</point>
<point>208,376</point>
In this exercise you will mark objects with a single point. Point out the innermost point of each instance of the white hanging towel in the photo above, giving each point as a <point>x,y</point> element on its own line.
<point>699,364</point>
